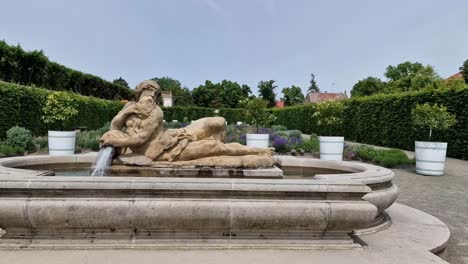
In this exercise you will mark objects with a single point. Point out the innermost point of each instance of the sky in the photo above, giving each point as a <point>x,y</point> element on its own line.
<point>246,41</point>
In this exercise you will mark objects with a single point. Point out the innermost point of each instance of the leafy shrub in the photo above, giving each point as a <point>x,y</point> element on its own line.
<point>281,144</point>
<point>329,114</point>
<point>384,157</point>
<point>90,139</point>
<point>311,145</point>
<point>7,150</point>
<point>40,143</point>
<point>59,108</point>
<point>294,133</point>
<point>366,153</point>
<point>279,128</point>
<point>391,158</point>
<point>19,137</point>
<point>257,114</point>
<point>432,117</point>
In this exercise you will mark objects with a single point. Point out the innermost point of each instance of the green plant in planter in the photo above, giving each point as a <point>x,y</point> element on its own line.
<point>59,109</point>
<point>432,117</point>
<point>329,116</point>
<point>256,113</point>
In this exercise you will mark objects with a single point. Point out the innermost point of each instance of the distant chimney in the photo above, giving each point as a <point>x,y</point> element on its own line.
<point>167,98</point>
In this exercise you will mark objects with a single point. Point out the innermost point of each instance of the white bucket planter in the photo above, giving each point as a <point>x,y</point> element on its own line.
<point>331,148</point>
<point>258,140</point>
<point>61,143</point>
<point>430,158</point>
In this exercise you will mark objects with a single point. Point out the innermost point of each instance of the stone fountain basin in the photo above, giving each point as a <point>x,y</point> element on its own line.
<point>326,206</point>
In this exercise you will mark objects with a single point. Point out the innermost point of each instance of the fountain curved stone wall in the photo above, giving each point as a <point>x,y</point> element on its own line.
<point>324,207</point>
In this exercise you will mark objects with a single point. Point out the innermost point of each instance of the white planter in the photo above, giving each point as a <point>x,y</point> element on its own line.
<point>239,123</point>
<point>62,143</point>
<point>331,148</point>
<point>258,140</point>
<point>430,157</point>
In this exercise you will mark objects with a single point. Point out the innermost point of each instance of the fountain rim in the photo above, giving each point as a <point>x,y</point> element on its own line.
<point>360,173</point>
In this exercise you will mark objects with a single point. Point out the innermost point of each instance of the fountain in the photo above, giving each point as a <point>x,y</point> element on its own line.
<point>103,161</point>
<point>198,192</point>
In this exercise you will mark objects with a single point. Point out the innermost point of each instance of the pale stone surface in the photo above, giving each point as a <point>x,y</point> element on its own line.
<point>409,239</point>
<point>200,143</point>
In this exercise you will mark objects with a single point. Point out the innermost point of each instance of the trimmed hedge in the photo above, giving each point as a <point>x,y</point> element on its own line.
<point>22,106</point>
<point>385,120</point>
<point>34,68</point>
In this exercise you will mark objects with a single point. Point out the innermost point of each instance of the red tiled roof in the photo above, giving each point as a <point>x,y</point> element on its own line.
<point>279,104</point>
<point>313,97</point>
<point>455,76</point>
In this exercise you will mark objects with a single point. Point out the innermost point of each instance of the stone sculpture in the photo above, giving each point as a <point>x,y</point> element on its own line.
<point>138,136</point>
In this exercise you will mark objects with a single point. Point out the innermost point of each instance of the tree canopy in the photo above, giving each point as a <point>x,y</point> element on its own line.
<point>368,86</point>
<point>266,90</point>
<point>464,71</point>
<point>408,76</point>
<point>292,96</point>
<point>180,95</point>
<point>226,94</point>
<point>121,81</point>
<point>313,84</point>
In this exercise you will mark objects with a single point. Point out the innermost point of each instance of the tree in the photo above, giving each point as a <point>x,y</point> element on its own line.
<point>368,86</point>
<point>313,85</point>
<point>246,91</point>
<point>292,96</point>
<point>181,95</point>
<point>432,117</point>
<point>208,95</point>
<point>226,94</point>
<point>409,76</point>
<point>121,81</point>
<point>266,90</point>
<point>257,114</point>
<point>464,71</point>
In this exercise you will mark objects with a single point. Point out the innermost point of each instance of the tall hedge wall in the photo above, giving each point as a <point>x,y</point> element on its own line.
<point>232,115</point>
<point>34,68</point>
<point>22,106</point>
<point>385,120</point>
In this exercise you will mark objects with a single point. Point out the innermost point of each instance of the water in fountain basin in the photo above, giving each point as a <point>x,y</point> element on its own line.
<point>103,161</point>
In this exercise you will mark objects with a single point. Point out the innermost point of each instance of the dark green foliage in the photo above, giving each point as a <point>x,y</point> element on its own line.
<point>292,96</point>
<point>19,137</point>
<point>384,157</point>
<point>464,71</point>
<point>385,119</point>
<point>313,84</point>
<point>391,157</point>
<point>7,150</point>
<point>368,86</point>
<point>226,94</point>
<point>311,145</point>
<point>232,115</point>
<point>90,139</point>
<point>180,95</point>
<point>266,90</point>
<point>121,81</point>
<point>34,68</point>
<point>22,106</point>
<point>40,143</point>
<point>408,76</point>
<point>189,112</point>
